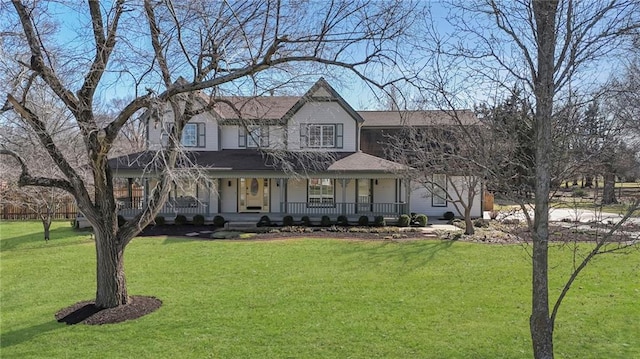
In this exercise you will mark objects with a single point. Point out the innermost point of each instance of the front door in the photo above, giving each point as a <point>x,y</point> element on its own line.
<point>254,194</point>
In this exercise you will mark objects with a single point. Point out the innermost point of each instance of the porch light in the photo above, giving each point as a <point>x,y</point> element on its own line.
<point>229,183</point>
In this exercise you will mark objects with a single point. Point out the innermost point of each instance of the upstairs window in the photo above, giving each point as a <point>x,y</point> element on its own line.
<point>193,134</point>
<point>253,136</point>
<point>321,135</point>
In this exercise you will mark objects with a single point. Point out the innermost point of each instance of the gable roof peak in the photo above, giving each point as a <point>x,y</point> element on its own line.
<point>333,96</point>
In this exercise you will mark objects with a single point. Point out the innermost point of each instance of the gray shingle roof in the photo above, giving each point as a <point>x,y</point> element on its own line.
<point>254,160</point>
<point>417,118</point>
<point>361,161</point>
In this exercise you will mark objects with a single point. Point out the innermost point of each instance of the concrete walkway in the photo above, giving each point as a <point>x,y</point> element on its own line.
<point>569,214</point>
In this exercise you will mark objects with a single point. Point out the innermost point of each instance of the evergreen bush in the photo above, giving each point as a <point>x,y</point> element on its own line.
<point>264,221</point>
<point>198,220</point>
<point>421,220</point>
<point>404,220</point>
<point>342,221</point>
<point>180,220</point>
<point>287,221</point>
<point>379,221</point>
<point>218,221</point>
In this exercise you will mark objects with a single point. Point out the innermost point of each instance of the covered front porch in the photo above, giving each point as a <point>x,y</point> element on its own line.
<point>253,197</point>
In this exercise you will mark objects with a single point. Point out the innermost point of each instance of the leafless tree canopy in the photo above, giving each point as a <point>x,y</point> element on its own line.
<point>159,54</point>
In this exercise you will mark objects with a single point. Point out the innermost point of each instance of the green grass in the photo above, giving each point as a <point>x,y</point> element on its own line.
<point>310,299</point>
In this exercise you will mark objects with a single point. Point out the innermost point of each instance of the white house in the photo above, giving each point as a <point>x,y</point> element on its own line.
<point>240,155</point>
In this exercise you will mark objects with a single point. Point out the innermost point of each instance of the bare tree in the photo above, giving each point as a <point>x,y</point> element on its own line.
<point>448,157</point>
<point>543,46</point>
<point>195,45</point>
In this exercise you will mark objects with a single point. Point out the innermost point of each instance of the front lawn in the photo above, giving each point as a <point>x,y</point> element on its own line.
<point>310,298</point>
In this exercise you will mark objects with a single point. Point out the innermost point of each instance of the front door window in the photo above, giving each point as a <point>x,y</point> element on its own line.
<point>254,194</point>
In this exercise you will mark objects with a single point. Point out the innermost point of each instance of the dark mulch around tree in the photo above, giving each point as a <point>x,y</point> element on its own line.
<point>87,313</point>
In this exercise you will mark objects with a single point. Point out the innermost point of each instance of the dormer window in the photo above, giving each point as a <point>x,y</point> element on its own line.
<point>321,136</point>
<point>253,136</point>
<point>193,134</point>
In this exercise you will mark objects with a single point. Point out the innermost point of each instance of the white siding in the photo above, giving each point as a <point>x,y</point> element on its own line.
<point>384,191</point>
<point>421,202</point>
<point>297,190</point>
<point>323,113</point>
<point>229,195</point>
<point>229,137</point>
<point>211,132</point>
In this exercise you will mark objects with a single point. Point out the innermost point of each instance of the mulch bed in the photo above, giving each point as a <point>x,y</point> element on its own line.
<point>86,312</point>
<point>204,232</point>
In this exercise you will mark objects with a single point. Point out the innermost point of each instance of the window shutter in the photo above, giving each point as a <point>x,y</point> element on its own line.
<point>339,135</point>
<point>242,137</point>
<point>264,136</point>
<point>201,135</point>
<point>304,132</point>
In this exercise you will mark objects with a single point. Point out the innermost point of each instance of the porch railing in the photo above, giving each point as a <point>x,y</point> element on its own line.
<point>173,206</point>
<point>344,208</point>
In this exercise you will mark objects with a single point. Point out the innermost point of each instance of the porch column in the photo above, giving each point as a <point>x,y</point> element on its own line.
<point>146,191</point>
<point>219,191</point>
<point>344,183</point>
<point>282,183</point>
<point>407,194</point>
<point>130,191</point>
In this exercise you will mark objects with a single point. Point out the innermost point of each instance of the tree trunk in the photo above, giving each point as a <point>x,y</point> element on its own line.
<point>608,192</point>
<point>469,229</point>
<point>46,224</point>
<point>111,284</point>
<point>540,323</point>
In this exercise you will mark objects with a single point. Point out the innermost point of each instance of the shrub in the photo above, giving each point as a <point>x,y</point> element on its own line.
<point>421,220</point>
<point>342,221</point>
<point>459,223</point>
<point>305,221</point>
<point>159,220</point>
<point>198,220</point>
<point>180,219</point>
<point>218,221</point>
<point>448,215</point>
<point>363,221</point>
<point>264,221</point>
<point>578,192</point>
<point>511,221</point>
<point>325,221</point>
<point>404,221</point>
<point>379,221</point>
<point>287,221</point>
<point>121,221</point>
<point>480,223</point>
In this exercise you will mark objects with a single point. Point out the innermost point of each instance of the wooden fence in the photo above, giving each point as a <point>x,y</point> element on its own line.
<point>67,209</point>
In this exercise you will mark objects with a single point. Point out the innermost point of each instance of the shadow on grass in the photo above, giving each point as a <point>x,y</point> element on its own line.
<point>25,334</point>
<point>412,254</point>
<point>178,240</point>
<point>57,239</point>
